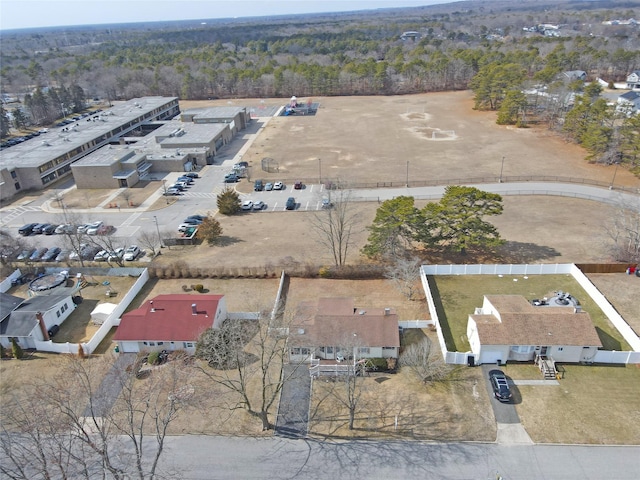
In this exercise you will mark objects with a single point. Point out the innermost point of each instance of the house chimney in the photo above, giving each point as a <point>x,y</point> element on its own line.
<point>151,304</point>
<point>194,309</point>
<point>43,327</point>
<point>387,311</point>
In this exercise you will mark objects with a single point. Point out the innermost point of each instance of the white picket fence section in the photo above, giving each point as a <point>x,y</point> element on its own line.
<point>602,356</point>
<point>5,285</point>
<point>416,323</point>
<point>113,320</point>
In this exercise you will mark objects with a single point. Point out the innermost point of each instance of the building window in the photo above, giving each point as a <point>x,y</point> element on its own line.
<point>17,185</point>
<point>58,313</point>
<point>364,350</point>
<point>300,351</point>
<point>560,349</point>
<point>188,344</point>
<point>388,348</point>
<point>14,175</point>
<point>160,343</point>
<point>152,344</point>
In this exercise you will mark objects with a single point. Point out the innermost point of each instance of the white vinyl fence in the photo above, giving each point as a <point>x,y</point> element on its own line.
<point>5,285</point>
<point>602,356</point>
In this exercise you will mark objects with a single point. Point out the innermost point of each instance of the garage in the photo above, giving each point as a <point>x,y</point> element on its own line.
<point>492,355</point>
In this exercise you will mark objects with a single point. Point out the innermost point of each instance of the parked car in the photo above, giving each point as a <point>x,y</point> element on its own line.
<point>202,218</point>
<point>181,183</point>
<point>259,205</point>
<point>116,255</point>
<point>241,165</point>
<point>268,186</point>
<point>64,228</point>
<point>500,385</point>
<point>37,254</point>
<point>49,229</point>
<point>92,228</point>
<point>326,203</point>
<point>247,205</point>
<point>177,186</point>
<point>88,252</point>
<point>192,221</point>
<point>183,227</point>
<point>82,228</point>
<point>297,185</point>
<point>258,186</point>
<point>231,178</point>
<point>39,228</point>
<point>101,256</point>
<point>278,186</point>
<point>172,191</point>
<point>25,254</point>
<point>187,180</point>
<point>26,230</point>
<point>131,253</point>
<point>192,175</point>
<point>291,203</point>
<point>51,254</point>
<point>63,255</point>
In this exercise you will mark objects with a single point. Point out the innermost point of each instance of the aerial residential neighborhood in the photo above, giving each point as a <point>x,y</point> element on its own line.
<point>405,239</point>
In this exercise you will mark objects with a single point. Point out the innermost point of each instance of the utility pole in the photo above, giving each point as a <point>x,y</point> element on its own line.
<point>407,173</point>
<point>166,197</point>
<point>614,176</point>
<point>155,219</point>
<point>319,170</point>
<point>501,169</point>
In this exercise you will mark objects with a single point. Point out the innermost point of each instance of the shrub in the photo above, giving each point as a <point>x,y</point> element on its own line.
<point>152,359</point>
<point>324,272</point>
<point>16,350</point>
<point>198,288</point>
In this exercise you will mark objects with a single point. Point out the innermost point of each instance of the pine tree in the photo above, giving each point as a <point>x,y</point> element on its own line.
<point>228,202</point>
<point>16,350</point>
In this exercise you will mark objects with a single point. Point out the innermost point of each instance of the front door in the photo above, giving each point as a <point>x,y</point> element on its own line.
<point>543,351</point>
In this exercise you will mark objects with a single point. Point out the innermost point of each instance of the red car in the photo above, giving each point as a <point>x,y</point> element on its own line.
<point>297,185</point>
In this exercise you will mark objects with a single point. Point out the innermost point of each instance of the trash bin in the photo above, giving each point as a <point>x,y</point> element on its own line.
<point>117,349</point>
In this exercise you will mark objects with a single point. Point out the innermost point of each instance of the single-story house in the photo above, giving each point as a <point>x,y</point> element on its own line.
<point>170,322</point>
<point>628,103</point>
<point>573,75</point>
<point>633,80</point>
<point>508,327</point>
<point>334,329</point>
<point>32,319</point>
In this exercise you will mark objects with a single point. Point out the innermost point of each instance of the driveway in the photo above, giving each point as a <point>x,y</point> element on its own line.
<point>510,430</point>
<point>293,411</point>
<point>110,387</point>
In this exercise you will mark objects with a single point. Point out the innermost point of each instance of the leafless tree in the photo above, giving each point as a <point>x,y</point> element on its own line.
<point>623,231</point>
<point>404,274</point>
<point>149,240</point>
<point>425,363</point>
<point>61,427</point>
<point>247,357</point>
<point>334,223</point>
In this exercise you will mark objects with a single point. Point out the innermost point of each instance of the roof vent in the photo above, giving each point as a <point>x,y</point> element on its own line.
<point>362,312</point>
<point>194,309</point>
<point>301,331</point>
<point>152,309</point>
<point>387,311</point>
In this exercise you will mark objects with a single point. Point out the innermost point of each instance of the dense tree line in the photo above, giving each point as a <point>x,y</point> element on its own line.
<point>325,55</point>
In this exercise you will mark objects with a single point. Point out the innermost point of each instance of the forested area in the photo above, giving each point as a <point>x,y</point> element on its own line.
<point>487,47</point>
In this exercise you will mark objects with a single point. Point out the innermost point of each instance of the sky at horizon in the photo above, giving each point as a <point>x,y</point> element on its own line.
<point>16,14</point>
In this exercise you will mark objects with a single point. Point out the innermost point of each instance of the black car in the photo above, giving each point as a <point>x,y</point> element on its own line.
<point>49,229</point>
<point>258,186</point>
<point>201,218</point>
<point>26,229</point>
<point>231,178</point>
<point>39,228</point>
<point>192,175</point>
<point>291,203</point>
<point>500,385</point>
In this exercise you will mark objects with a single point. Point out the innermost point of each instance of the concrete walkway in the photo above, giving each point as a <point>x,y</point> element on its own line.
<point>293,411</point>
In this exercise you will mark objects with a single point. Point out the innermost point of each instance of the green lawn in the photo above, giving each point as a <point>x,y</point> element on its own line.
<point>457,296</point>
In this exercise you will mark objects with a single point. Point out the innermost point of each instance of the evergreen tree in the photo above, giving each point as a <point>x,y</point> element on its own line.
<point>16,350</point>
<point>19,119</point>
<point>229,202</point>
<point>5,124</point>
<point>513,108</point>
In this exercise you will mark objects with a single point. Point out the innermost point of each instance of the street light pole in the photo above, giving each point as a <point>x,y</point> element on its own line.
<point>614,176</point>
<point>155,219</point>
<point>319,170</point>
<point>501,169</point>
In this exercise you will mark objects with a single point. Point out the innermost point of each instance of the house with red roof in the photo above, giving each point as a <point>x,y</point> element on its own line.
<point>170,322</point>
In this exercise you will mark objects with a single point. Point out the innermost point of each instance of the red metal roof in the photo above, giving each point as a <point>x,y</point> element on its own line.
<point>169,318</point>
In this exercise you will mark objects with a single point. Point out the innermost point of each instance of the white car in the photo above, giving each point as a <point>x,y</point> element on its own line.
<point>278,186</point>
<point>101,256</point>
<point>247,205</point>
<point>116,255</point>
<point>131,253</point>
<point>183,227</point>
<point>94,228</point>
<point>259,205</point>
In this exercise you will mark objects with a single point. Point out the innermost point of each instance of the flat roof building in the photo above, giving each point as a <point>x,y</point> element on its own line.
<point>33,164</point>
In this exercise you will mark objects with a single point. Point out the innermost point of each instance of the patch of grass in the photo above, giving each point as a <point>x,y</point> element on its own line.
<point>593,404</point>
<point>457,296</point>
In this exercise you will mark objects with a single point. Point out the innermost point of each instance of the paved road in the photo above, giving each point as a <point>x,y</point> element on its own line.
<point>197,457</point>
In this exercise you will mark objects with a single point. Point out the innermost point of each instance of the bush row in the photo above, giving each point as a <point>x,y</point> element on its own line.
<point>180,269</point>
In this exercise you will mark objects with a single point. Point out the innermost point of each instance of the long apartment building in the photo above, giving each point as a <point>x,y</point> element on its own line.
<point>33,164</point>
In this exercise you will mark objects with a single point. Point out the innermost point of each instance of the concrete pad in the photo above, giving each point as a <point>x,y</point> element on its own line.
<point>535,382</point>
<point>512,434</point>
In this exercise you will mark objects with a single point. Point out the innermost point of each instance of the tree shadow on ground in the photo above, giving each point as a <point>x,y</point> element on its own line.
<point>521,252</point>
<point>225,241</point>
